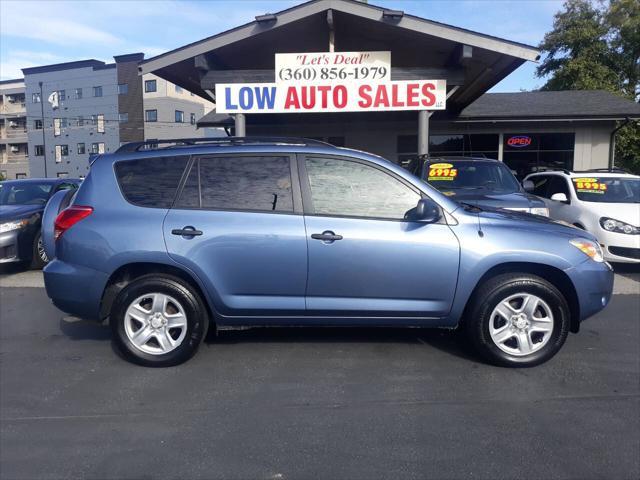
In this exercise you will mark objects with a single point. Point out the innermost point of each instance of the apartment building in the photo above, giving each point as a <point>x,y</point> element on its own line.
<point>14,152</point>
<point>78,109</point>
<point>171,111</point>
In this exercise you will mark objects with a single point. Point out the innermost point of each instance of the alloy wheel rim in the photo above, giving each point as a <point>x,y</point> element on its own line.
<point>521,324</point>
<point>41,251</point>
<point>155,323</point>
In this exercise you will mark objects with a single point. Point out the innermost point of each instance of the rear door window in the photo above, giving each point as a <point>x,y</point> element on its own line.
<point>151,182</point>
<point>248,183</point>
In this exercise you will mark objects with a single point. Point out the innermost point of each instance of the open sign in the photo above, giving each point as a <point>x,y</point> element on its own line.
<point>519,141</point>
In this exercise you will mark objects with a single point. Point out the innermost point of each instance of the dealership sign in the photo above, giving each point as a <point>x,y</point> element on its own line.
<point>331,97</point>
<point>332,82</point>
<point>330,66</point>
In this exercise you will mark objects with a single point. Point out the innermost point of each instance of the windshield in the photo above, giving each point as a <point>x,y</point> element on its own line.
<point>471,175</point>
<point>607,189</point>
<point>24,193</point>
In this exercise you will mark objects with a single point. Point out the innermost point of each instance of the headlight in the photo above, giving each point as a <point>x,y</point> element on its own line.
<point>544,211</point>
<point>612,225</point>
<point>589,248</point>
<point>15,225</point>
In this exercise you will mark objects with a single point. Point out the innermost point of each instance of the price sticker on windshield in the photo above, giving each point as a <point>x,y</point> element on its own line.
<point>442,171</point>
<point>589,185</point>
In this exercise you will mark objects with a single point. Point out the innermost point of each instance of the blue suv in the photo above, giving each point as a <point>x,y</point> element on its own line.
<point>167,240</point>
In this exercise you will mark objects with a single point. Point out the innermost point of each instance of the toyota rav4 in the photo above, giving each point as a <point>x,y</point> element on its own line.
<point>167,242</point>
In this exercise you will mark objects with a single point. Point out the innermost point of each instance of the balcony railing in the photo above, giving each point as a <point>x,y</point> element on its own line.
<point>10,108</point>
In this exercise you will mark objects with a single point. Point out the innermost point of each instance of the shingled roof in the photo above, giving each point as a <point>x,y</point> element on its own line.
<point>560,104</point>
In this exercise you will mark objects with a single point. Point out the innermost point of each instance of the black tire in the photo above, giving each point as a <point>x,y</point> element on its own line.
<point>37,262</point>
<point>197,319</point>
<point>499,288</point>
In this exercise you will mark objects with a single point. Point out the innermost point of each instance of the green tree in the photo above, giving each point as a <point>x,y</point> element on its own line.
<point>596,46</point>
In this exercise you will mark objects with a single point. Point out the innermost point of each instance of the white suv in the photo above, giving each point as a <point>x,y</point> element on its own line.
<point>603,202</point>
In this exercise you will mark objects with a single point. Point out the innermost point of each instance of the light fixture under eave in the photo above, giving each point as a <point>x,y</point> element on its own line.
<point>393,14</point>
<point>266,18</point>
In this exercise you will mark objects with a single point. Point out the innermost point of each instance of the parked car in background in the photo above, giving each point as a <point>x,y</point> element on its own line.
<point>243,232</point>
<point>480,181</point>
<point>22,203</point>
<point>603,202</point>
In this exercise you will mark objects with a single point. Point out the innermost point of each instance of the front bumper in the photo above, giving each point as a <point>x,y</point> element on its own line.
<point>619,247</point>
<point>75,289</point>
<point>9,247</point>
<point>593,282</point>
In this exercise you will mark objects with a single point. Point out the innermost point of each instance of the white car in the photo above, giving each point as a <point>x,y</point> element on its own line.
<point>603,202</point>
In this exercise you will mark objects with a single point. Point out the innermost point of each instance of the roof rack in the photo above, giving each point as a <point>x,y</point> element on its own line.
<point>224,141</point>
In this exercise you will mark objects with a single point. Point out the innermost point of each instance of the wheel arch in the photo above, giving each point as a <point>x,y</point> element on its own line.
<point>127,273</point>
<point>553,275</point>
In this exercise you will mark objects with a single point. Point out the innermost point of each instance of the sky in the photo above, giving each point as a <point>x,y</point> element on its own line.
<point>34,33</point>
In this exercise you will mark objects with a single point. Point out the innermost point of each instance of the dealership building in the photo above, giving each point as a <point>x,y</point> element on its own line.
<point>529,131</point>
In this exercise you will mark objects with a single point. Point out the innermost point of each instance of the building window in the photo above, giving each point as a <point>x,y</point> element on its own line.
<point>80,121</point>
<point>150,115</point>
<point>123,88</point>
<point>94,120</point>
<point>62,95</point>
<point>37,124</point>
<point>97,147</point>
<point>20,175</point>
<point>64,123</point>
<point>39,150</point>
<point>178,89</point>
<point>56,127</point>
<point>35,97</point>
<point>61,151</point>
<point>81,149</point>
<point>123,117</point>
<point>78,93</point>
<point>150,86</point>
<point>478,145</point>
<point>97,91</point>
<point>100,118</point>
<point>193,119</point>
<point>179,116</point>
<point>62,174</point>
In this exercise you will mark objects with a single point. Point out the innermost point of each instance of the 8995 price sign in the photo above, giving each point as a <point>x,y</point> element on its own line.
<point>329,66</point>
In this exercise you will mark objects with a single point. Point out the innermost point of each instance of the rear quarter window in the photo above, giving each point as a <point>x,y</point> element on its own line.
<point>150,182</point>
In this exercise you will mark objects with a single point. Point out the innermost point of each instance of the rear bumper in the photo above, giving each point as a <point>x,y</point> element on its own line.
<point>593,282</point>
<point>75,289</point>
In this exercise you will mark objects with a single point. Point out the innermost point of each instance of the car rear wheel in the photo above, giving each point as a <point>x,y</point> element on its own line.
<point>38,256</point>
<point>518,320</point>
<point>158,321</point>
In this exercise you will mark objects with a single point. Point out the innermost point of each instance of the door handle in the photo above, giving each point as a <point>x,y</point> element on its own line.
<point>186,232</point>
<point>326,236</point>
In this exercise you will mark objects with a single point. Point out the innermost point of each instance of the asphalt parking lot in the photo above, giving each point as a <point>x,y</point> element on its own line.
<point>314,403</point>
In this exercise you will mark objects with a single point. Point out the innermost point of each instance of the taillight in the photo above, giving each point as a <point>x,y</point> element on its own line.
<point>69,217</point>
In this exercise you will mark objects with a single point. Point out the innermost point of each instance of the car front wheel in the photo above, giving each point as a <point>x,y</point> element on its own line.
<point>518,320</point>
<point>158,321</point>
<point>38,256</point>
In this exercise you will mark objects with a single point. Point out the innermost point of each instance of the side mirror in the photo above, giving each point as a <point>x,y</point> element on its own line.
<point>427,211</point>
<point>528,186</point>
<point>559,197</point>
